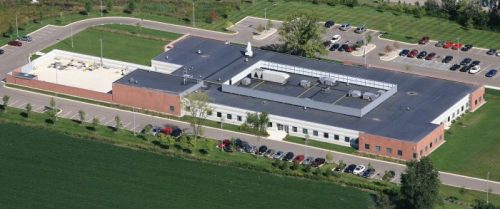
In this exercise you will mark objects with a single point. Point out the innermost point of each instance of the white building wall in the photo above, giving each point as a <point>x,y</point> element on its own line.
<point>455,111</point>
<point>164,67</point>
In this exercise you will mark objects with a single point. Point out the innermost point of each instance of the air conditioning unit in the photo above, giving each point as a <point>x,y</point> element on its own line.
<point>246,81</point>
<point>327,81</point>
<point>370,96</point>
<point>305,83</point>
<point>354,93</point>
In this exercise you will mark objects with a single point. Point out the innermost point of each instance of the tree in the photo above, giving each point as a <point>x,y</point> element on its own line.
<point>88,6</point>
<point>368,39</point>
<point>52,103</point>
<point>269,24</point>
<point>118,123</point>
<point>196,104</point>
<point>481,204</point>
<point>302,35</point>
<point>81,115</point>
<point>147,131</point>
<point>420,184</point>
<point>396,45</point>
<point>130,6</point>
<point>260,28</point>
<point>382,201</point>
<point>95,123</point>
<point>28,109</point>
<point>213,16</point>
<point>52,115</point>
<point>329,157</point>
<point>5,100</point>
<point>109,5</point>
<point>263,121</point>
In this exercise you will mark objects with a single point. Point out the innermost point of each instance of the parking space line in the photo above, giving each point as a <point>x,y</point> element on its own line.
<point>108,123</point>
<point>38,109</point>
<point>14,103</point>
<point>126,125</point>
<point>66,114</point>
<point>22,105</point>
<point>73,117</point>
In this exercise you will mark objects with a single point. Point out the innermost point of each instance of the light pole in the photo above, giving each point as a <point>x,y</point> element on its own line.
<point>265,17</point>
<point>100,40</point>
<point>487,187</point>
<point>133,114</point>
<point>17,28</point>
<point>100,8</point>
<point>194,18</point>
<point>221,127</point>
<point>458,50</point>
<point>71,26</point>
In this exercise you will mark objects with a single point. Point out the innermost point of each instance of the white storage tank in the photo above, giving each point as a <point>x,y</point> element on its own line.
<point>272,76</point>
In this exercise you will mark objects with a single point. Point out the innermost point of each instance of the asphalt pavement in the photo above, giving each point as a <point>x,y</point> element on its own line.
<point>47,36</point>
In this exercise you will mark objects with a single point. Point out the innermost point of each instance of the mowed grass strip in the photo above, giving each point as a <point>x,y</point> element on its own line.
<point>472,145</point>
<point>123,47</point>
<point>42,169</point>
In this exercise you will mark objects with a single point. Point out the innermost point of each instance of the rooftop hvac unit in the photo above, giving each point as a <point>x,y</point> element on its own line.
<point>327,81</point>
<point>272,76</point>
<point>246,81</point>
<point>354,93</point>
<point>370,96</point>
<point>305,83</point>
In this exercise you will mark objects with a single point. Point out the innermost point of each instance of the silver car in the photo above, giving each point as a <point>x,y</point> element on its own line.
<point>269,153</point>
<point>345,26</point>
<point>279,155</point>
<point>308,161</point>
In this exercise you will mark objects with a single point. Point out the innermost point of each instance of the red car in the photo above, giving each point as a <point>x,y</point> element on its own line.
<point>456,46</point>
<point>15,43</point>
<point>413,53</point>
<point>430,56</point>
<point>448,44</point>
<point>224,143</point>
<point>424,40</point>
<point>298,159</point>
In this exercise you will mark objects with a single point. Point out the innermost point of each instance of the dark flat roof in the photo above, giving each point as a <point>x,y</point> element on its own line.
<point>157,81</point>
<point>402,116</point>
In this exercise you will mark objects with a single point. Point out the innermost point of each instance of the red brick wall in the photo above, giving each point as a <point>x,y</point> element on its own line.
<point>146,99</point>
<point>58,88</point>
<point>477,99</point>
<point>407,148</point>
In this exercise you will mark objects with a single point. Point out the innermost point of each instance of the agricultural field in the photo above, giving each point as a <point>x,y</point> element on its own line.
<point>120,42</point>
<point>43,169</point>
<point>472,145</point>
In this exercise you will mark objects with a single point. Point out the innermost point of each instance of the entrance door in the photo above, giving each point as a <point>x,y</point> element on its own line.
<point>279,126</point>
<point>286,129</point>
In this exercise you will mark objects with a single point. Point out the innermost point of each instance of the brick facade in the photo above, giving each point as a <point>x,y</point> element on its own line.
<point>58,88</point>
<point>477,99</point>
<point>147,99</point>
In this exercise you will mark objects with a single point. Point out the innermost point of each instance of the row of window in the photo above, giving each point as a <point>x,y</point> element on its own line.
<point>326,135</point>
<point>460,110</point>
<point>228,116</point>
<point>388,150</point>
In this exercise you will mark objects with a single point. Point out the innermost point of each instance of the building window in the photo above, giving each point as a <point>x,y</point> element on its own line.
<point>462,108</point>
<point>347,139</point>
<point>238,118</point>
<point>430,145</point>
<point>367,146</point>
<point>388,150</point>
<point>400,152</point>
<point>187,108</point>
<point>304,130</point>
<point>421,152</point>
<point>448,118</point>
<point>172,108</point>
<point>336,137</point>
<point>414,155</point>
<point>325,135</point>
<point>294,129</point>
<point>209,113</point>
<point>229,116</point>
<point>219,114</point>
<point>440,137</point>
<point>270,124</point>
<point>315,133</point>
<point>377,148</point>
<point>458,112</point>
<point>475,102</point>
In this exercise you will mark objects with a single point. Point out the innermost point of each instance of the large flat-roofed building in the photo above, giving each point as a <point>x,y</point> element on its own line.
<point>377,111</point>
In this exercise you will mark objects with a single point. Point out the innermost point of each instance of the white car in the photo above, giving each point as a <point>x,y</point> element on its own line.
<point>359,170</point>
<point>475,69</point>
<point>498,54</point>
<point>335,38</point>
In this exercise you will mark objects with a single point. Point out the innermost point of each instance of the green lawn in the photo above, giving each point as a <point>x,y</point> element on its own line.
<point>473,143</point>
<point>130,44</point>
<point>319,144</point>
<point>42,169</point>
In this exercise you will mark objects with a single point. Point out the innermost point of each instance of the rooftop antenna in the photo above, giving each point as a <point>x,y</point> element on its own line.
<point>248,50</point>
<point>186,75</point>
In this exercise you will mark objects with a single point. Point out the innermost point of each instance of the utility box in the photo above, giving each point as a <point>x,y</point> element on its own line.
<point>271,76</point>
<point>327,81</point>
<point>305,83</point>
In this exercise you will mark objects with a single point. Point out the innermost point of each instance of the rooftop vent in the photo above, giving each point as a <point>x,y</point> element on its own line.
<point>246,81</point>
<point>327,81</point>
<point>131,80</point>
<point>370,96</point>
<point>305,83</point>
<point>354,93</point>
<point>199,51</point>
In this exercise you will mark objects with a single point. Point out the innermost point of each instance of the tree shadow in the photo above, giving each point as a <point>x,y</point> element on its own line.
<point>23,114</point>
<point>203,151</point>
<point>49,121</point>
<point>90,128</point>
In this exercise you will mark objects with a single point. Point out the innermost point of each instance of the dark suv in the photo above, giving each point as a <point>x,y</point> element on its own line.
<point>288,156</point>
<point>350,168</point>
<point>329,24</point>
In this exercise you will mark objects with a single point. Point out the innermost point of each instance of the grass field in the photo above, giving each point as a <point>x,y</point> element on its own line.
<point>319,144</point>
<point>42,169</point>
<point>473,143</point>
<point>120,42</point>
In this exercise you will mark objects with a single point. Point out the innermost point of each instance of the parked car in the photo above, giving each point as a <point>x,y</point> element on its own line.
<point>155,131</point>
<point>447,59</point>
<point>350,48</point>
<point>345,26</point>
<point>430,56</point>
<point>413,53</point>
<point>422,54</point>
<point>498,54</point>
<point>447,44</point>
<point>335,38</point>
<point>360,29</point>
<point>308,161</point>
<point>491,52</point>
<point>466,61</point>
<point>350,168</point>
<point>225,145</point>
<point>359,170</point>
<point>439,44</point>
<point>15,43</point>
<point>334,47</point>
<point>343,47</point>
<point>491,73</point>
<point>456,46</point>
<point>475,62</point>
<point>424,40</point>
<point>455,67</point>
<point>279,155</point>
<point>329,23</point>
<point>2,51</point>
<point>318,162</point>
<point>253,149</point>
<point>288,156</point>
<point>327,43</point>
<point>368,173</point>
<point>475,69</point>
<point>26,38</point>
<point>262,149</point>
<point>465,68</point>
<point>299,159</point>
<point>269,153</point>
<point>467,47</point>
<point>404,52</point>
